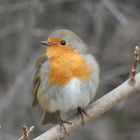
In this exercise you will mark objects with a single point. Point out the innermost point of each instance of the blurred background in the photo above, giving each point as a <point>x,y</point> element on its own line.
<point>111,29</point>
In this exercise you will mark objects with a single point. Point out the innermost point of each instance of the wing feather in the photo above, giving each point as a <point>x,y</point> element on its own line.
<point>36,80</point>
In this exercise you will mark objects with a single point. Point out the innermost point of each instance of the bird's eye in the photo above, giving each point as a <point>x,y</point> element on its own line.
<point>63,42</point>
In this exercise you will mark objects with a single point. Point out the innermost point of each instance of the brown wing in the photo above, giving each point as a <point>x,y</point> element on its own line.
<point>36,80</point>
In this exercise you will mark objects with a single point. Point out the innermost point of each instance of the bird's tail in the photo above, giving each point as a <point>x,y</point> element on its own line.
<point>48,117</point>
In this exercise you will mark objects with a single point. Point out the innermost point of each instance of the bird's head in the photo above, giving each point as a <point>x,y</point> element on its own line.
<point>65,39</point>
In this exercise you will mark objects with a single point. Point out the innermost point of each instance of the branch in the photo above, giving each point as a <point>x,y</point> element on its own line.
<point>95,109</point>
<point>102,105</point>
<point>26,132</point>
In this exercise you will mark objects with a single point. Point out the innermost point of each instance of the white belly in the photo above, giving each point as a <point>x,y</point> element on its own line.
<point>73,95</point>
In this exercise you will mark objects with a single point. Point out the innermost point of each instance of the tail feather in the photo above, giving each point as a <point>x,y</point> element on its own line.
<point>48,117</point>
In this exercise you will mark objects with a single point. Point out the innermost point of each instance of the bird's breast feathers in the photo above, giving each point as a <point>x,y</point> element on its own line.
<point>66,64</point>
<point>68,83</point>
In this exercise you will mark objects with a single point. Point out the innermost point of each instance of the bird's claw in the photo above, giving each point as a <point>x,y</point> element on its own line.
<point>62,126</point>
<point>80,113</point>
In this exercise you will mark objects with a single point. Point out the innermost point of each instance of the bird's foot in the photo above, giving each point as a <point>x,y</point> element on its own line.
<point>80,113</point>
<point>62,126</point>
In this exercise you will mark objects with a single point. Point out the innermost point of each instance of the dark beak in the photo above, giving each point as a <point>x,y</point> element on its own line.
<point>46,43</point>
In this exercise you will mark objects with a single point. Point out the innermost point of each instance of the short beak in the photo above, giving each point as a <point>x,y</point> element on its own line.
<point>46,43</point>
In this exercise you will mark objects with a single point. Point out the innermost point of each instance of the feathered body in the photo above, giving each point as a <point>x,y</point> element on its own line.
<point>67,76</point>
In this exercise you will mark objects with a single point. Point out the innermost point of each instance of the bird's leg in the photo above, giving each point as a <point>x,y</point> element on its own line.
<point>61,124</point>
<point>80,113</point>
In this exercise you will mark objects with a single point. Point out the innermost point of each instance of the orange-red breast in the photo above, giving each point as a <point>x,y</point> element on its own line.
<point>66,77</point>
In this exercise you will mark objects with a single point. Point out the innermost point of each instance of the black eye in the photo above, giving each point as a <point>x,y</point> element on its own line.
<point>63,42</point>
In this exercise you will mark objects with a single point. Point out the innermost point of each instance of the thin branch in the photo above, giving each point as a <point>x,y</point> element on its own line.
<point>26,132</point>
<point>96,109</point>
<point>135,64</point>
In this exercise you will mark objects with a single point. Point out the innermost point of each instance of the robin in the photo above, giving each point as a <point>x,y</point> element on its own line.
<point>66,78</point>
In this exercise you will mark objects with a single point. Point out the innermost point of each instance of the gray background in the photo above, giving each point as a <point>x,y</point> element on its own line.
<point>111,29</point>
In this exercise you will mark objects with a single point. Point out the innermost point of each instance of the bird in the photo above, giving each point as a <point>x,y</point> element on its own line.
<point>66,77</point>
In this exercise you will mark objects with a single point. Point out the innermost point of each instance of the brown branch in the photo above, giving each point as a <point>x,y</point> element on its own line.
<point>95,109</point>
<point>134,66</point>
<point>26,132</point>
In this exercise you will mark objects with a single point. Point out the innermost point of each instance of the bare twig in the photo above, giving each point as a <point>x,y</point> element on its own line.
<point>26,132</point>
<point>134,66</point>
<point>96,109</point>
